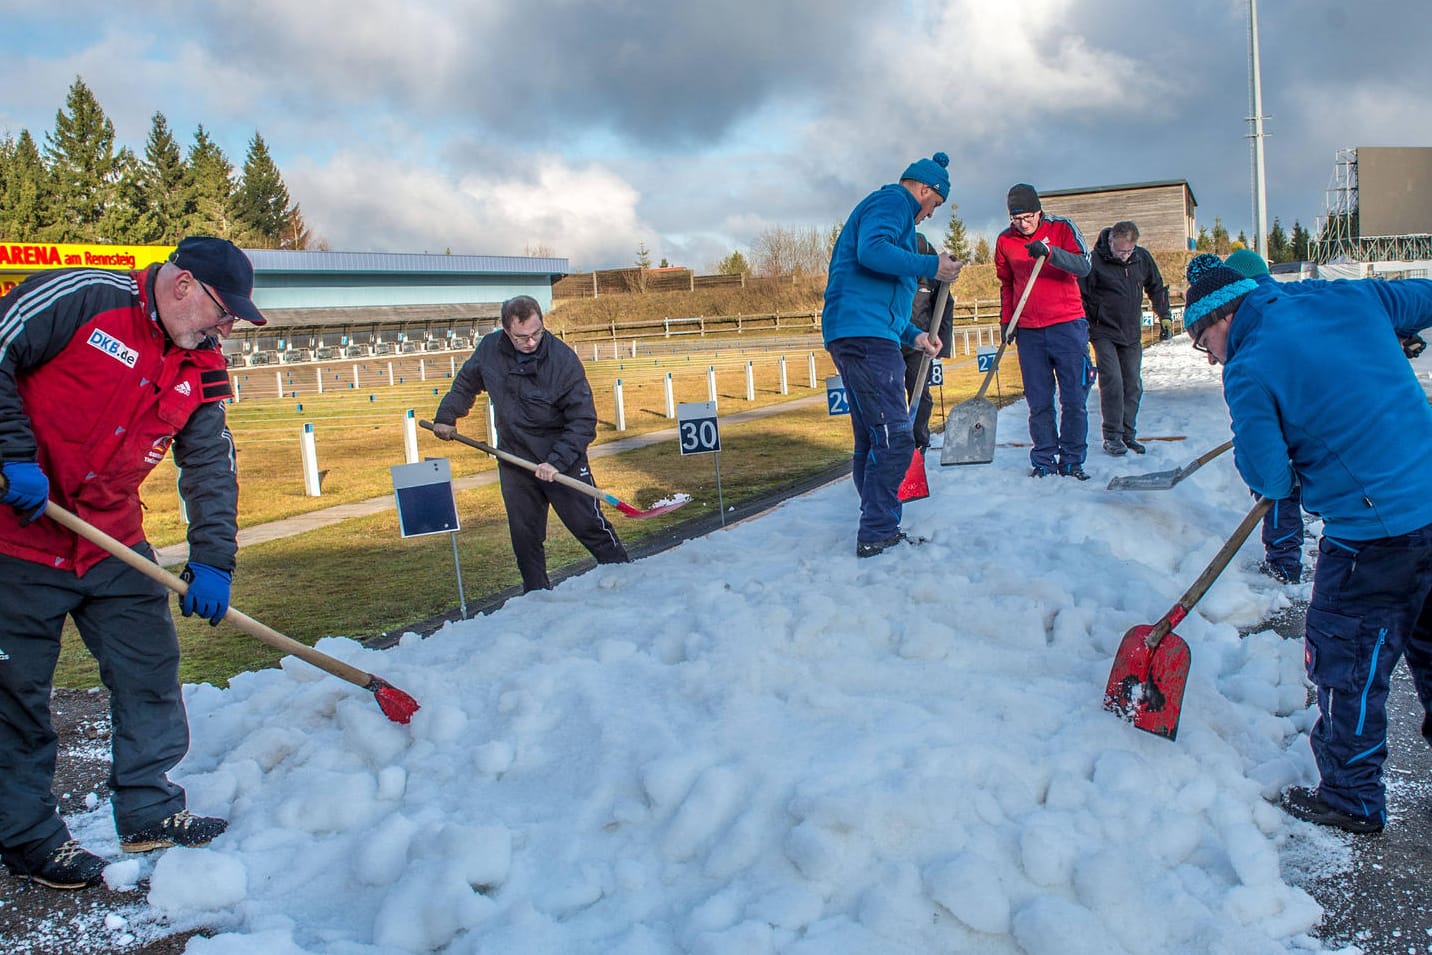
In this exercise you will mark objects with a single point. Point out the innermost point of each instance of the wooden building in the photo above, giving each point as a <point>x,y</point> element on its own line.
<point>1164,211</point>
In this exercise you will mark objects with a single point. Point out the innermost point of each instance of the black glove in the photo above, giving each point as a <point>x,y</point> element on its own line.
<point>1008,333</point>
<point>1037,249</point>
<point>1413,345</point>
<point>1165,329</point>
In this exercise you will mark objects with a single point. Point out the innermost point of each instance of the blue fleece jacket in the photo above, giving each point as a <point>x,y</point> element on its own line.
<point>874,270</point>
<point>1316,376</point>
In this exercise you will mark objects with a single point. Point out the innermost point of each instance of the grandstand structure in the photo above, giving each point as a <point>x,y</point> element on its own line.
<point>1378,206</point>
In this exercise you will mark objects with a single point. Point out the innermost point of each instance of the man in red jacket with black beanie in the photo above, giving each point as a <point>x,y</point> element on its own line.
<point>1052,335</point>
<point>101,374</point>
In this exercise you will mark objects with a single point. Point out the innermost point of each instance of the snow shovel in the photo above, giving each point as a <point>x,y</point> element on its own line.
<point>915,486</point>
<point>970,425</point>
<point>396,705</point>
<point>572,483</point>
<point>1151,666</point>
<point>1163,480</point>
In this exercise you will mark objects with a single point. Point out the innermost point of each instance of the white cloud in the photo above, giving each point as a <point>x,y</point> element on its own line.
<point>363,200</point>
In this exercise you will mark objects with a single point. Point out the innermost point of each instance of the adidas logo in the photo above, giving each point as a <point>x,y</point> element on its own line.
<point>183,388</point>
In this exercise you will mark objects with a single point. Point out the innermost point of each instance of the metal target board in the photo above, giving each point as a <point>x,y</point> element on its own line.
<point>697,427</point>
<point>425,498</point>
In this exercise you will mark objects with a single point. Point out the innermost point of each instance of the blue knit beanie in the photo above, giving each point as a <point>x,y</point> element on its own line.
<point>1200,264</point>
<point>931,172</point>
<point>1214,287</point>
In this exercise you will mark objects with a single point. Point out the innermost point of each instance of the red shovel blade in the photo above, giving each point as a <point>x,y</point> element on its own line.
<point>630,511</point>
<point>395,704</point>
<point>915,486</point>
<point>1146,686</point>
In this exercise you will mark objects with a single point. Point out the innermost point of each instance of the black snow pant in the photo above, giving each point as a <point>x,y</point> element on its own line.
<point>527,499</point>
<point>1120,387</point>
<point>124,619</point>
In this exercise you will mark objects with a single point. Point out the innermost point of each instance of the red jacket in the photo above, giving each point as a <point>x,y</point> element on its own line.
<point>1055,297</point>
<point>91,389</point>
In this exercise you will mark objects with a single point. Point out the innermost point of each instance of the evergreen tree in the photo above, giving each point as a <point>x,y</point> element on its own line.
<point>125,209</point>
<point>982,253</point>
<point>1301,240</point>
<point>733,264</point>
<point>1221,243</point>
<point>260,204</point>
<point>81,157</point>
<point>211,187</point>
<point>1243,237</point>
<point>643,256</point>
<point>1279,250</point>
<point>164,181</point>
<point>24,189</point>
<point>297,235</point>
<point>1203,243</point>
<point>955,241</point>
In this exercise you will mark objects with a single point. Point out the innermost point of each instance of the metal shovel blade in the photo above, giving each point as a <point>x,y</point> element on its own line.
<point>1146,686</point>
<point>1155,481</point>
<point>970,433</point>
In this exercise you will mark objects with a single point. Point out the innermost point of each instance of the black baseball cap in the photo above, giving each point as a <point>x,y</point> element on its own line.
<point>222,266</point>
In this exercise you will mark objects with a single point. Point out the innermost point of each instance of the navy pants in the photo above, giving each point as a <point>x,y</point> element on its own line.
<point>527,499</point>
<point>1370,608</point>
<point>873,372</point>
<point>1057,354</point>
<point>123,618</point>
<point>921,426</point>
<point>1283,534</point>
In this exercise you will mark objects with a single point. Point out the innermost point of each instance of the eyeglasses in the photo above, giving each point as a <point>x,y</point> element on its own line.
<point>1024,218</point>
<point>525,339</point>
<point>224,314</point>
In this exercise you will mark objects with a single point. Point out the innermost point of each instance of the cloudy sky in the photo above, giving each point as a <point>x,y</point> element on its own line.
<point>589,127</point>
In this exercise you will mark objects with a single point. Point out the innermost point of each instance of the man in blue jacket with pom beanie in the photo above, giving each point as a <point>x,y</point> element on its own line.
<point>1349,433</point>
<point>874,270</point>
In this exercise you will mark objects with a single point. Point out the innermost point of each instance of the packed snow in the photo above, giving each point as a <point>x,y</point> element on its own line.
<point>755,742</point>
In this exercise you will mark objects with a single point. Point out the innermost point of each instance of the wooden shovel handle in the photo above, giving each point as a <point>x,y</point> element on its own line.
<point>1013,324</point>
<point>924,374</point>
<point>510,458</point>
<point>1210,573</point>
<point>1207,456</point>
<point>244,622</point>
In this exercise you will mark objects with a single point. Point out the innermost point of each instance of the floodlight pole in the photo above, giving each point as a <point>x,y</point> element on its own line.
<point>1255,106</point>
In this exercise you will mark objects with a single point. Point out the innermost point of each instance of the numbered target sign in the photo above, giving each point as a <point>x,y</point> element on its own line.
<point>836,403</point>
<point>937,372</point>
<point>984,357</point>
<point>696,426</point>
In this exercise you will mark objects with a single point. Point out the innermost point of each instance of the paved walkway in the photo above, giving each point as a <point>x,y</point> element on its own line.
<point>176,554</point>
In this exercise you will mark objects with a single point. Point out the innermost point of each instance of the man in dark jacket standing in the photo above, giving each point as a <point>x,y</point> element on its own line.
<point>1122,272</point>
<point>545,414</point>
<point>922,317</point>
<point>101,374</point>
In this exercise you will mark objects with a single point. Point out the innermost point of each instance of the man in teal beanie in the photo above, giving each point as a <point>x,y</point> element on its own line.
<point>874,269</point>
<point>1300,415</point>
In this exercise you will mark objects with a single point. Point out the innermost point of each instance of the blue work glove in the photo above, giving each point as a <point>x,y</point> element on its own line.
<point>27,489</point>
<point>1036,249</point>
<point>208,594</point>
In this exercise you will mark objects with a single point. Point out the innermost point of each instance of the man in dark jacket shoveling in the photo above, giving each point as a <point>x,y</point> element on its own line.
<point>545,414</point>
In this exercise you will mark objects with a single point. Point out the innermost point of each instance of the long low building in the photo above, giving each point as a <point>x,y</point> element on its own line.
<point>337,304</point>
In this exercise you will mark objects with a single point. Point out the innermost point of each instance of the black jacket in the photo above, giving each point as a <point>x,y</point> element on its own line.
<point>926,292</point>
<point>543,402</point>
<point>1113,293</point>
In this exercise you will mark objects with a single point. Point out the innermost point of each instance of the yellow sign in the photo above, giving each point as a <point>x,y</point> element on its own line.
<point>20,260</point>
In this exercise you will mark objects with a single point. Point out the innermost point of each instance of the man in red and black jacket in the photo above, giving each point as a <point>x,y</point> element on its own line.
<point>1052,335</point>
<point>101,374</point>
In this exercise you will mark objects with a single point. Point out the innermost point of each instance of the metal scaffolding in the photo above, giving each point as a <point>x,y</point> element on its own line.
<point>1337,235</point>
